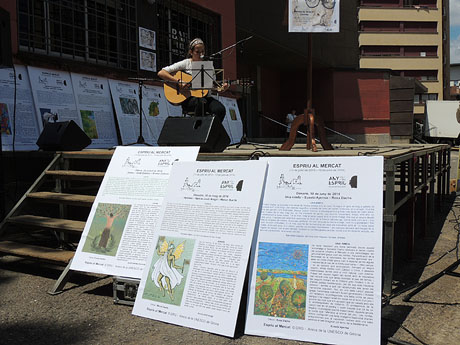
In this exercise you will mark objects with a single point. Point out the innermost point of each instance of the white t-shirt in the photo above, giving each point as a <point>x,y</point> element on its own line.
<point>289,117</point>
<point>184,65</point>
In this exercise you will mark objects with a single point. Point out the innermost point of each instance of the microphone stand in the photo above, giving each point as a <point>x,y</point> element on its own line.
<point>229,47</point>
<point>140,138</point>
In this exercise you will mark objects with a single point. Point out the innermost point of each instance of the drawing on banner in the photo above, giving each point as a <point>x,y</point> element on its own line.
<point>281,282</point>
<point>88,120</point>
<point>154,109</point>
<point>106,229</point>
<point>5,119</point>
<point>129,106</point>
<point>47,116</point>
<point>232,114</point>
<point>291,183</point>
<point>169,269</point>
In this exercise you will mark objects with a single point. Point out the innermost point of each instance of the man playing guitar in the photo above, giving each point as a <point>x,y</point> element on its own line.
<point>192,103</point>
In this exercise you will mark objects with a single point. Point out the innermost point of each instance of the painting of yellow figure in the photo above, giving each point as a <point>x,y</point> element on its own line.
<point>168,270</point>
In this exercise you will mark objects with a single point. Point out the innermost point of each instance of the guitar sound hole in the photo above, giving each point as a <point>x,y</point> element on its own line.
<point>197,124</point>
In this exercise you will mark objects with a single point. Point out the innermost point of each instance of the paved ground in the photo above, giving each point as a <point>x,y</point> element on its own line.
<point>85,312</point>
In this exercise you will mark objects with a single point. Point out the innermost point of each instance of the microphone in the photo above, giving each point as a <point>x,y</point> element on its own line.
<point>205,57</point>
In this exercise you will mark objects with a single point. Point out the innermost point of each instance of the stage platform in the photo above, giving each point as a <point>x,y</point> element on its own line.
<point>411,172</point>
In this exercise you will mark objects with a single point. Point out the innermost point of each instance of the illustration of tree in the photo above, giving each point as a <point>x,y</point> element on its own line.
<point>110,212</point>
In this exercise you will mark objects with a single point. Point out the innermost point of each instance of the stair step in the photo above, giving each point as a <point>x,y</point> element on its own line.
<point>88,154</point>
<point>68,199</point>
<point>49,223</point>
<point>76,175</point>
<point>30,251</point>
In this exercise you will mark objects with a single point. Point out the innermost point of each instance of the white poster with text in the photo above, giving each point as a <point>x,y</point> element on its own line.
<point>121,223</point>
<point>196,267</point>
<point>316,265</point>
<point>94,104</point>
<point>53,96</point>
<point>18,121</point>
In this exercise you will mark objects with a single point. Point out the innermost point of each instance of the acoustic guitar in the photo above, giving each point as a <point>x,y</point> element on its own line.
<point>175,95</point>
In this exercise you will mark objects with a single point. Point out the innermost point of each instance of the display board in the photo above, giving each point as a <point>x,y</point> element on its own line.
<point>316,265</point>
<point>121,223</point>
<point>314,16</point>
<point>196,267</point>
<point>94,104</point>
<point>53,96</point>
<point>23,126</point>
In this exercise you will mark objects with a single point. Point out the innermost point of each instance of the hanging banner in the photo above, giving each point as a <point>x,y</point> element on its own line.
<point>316,265</point>
<point>314,15</point>
<point>94,104</point>
<point>22,126</point>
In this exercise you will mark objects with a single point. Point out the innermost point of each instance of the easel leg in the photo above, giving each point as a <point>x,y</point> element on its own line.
<point>62,280</point>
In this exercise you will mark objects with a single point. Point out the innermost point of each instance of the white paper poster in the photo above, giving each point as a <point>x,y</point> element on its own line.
<point>147,38</point>
<point>94,104</point>
<point>147,60</point>
<point>121,223</point>
<point>125,96</point>
<point>155,108</point>
<point>316,265</point>
<point>314,15</point>
<point>232,122</point>
<point>53,96</point>
<point>27,130</point>
<point>196,267</point>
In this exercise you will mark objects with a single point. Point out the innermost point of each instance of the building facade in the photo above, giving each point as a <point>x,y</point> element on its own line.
<point>410,38</point>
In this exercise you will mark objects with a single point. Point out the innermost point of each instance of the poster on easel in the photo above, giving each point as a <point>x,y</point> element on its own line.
<point>94,104</point>
<point>19,125</point>
<point>197,264</point>
<point>122,221</point>
<point>314,15</point>
<point>53,96</point>
<point>316,265</point>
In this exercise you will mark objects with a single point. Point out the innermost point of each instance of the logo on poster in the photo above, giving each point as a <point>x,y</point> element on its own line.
<point>342,181</point>
<point>289,183</point>
<point>131,163</point>
<point>191,186</point>
<point>231,185</point>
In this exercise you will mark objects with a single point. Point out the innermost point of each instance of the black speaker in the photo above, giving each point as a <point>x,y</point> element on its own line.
<point>6,59</point>
<point>206,132</point>
<point>63,136</point>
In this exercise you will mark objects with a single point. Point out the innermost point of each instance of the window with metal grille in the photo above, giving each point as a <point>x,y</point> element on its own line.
<point>178,23</point>
<point>103,32</point>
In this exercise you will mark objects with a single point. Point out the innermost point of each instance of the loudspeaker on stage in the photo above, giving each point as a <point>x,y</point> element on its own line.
<point>204,131</point>
<point>63,136</point>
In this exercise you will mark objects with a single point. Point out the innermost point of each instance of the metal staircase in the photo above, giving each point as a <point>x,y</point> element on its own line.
<point>47,222</point>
